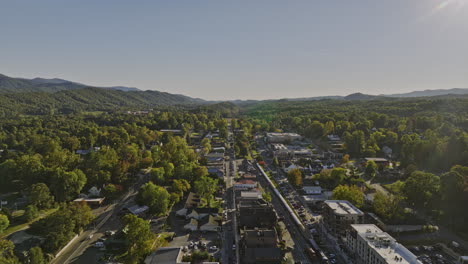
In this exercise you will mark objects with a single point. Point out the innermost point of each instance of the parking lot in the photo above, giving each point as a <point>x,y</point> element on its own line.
<point>433,254</point>
<point>191,241</point>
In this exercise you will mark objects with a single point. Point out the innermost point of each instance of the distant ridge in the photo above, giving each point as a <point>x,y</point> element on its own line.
<point>19,85</point>
<point>32,95</point>
<point>431,93</point>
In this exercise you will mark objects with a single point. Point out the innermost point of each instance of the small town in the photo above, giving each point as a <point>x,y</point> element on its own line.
<point>234,132</point>
<point>278,207</point>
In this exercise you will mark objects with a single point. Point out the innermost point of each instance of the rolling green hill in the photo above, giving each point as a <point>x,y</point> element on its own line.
<point>45,96</point>
<point>87,99</point>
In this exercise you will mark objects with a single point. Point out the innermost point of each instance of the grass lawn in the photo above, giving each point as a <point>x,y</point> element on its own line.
<point>15,228</point>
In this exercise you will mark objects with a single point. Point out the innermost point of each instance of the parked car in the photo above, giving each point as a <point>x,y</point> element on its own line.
<point>109,233</point>
<point>99,244</point>
<point>213,248</point>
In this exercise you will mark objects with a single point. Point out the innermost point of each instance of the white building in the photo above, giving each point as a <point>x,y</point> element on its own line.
<point>282,137</point>
<point>250,195</point>
<point>312,189</point>
<point>370,245</point>
<point>280,151</point>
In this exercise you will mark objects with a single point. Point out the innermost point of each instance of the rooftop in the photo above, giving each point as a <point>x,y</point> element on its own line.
<point>278,146</point>
<point>251,194</point>
<point>385,245</point>
<point>282,134</point>
<point>244,181</point>
<point>165,255</point>
<point>376,159</point>
<point>312,189</point>
<point>343,207</point>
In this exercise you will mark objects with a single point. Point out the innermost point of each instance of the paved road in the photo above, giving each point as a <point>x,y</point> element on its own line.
<point>230,233</point>
<point>107,220</point>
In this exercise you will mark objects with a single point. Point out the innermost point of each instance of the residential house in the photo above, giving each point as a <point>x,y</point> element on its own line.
<point>136,210</point>
<point>192,225</point>
<point>200,213</point>
<point>212,224</point>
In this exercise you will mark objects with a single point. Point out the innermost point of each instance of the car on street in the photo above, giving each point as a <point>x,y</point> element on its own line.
<point>109,233</point>
<point>213,248</point>
<point>99,244</point>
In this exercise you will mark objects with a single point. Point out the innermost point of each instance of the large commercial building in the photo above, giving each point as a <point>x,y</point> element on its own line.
<point>256,214</point>
<point>338,215</point>
<point>370,245</point>
<point>282,137</point>
<point>260,246</point>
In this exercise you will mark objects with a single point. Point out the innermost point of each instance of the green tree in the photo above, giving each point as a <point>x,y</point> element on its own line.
<point>295,177</point>
<point>146,162</point>
<point>355,142</point>
<point>36,256</point>
<point>206,187</point>
<point>420,188</point>
<point>59,227</point>
<point>40,196</point>
<point>371,168</point>
<point>31,213</point>
<point>452,190</point>
<point>139,238</point>
<point>266,196</point>
<point>4,222</point>
<point>338,175</point>
<point>157,175</point>
<point>66,185</point>
<point>180,186</point>
<point>155,197</point>
<point>110,191</point>
<point>349,193</point>
<point>199,172</point>
<point>7,255</point>
<point>206,146</point>
<point>387,206</point>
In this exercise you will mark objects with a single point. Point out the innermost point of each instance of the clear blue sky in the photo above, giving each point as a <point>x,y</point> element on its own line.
<point>240,49</point>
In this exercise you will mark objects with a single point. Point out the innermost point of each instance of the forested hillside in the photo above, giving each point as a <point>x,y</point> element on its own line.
<point>87,99</point>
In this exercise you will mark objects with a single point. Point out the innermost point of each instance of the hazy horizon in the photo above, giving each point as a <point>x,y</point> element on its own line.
<point>223,50</point>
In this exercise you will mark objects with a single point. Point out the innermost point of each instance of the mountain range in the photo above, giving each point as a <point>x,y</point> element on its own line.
<point>130,96</point>
<point>14,85</point>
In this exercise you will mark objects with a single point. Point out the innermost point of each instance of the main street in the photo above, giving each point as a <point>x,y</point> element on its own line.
<point>230,234</point>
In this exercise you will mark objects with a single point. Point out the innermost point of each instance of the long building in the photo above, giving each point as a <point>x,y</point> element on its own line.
<point>370,245</point>
<point>282,137</point>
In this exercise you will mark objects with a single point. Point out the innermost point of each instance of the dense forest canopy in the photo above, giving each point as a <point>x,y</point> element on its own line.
<point>54,146</point>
